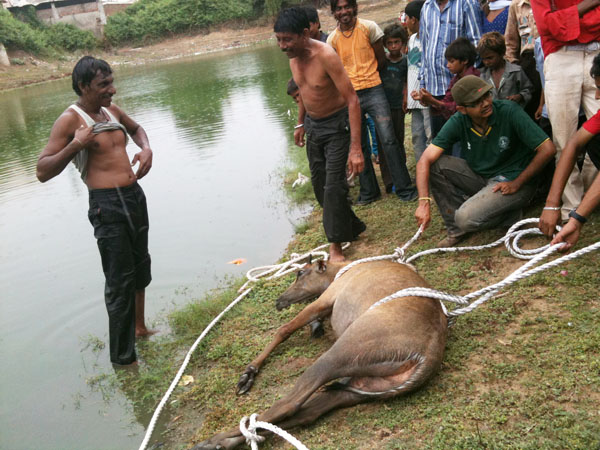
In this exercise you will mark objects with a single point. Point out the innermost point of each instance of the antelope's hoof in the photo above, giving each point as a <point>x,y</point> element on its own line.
<point>316,329</point>
<point>246,380</point>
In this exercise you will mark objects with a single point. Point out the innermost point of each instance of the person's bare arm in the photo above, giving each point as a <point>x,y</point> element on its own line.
<point>334,68</point>
<point>431,154</point>
<point>572,229</point>
<point>587,5</point>
<point>543,154</point>
<point>139,136</point>
<point>67,138</point>
<point>540,108</point>
<point>299,132</point>
<point>568,157</point>
<point>379,54</point>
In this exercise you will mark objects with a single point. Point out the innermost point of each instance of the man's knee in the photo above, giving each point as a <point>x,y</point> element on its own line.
<point>466,219</point>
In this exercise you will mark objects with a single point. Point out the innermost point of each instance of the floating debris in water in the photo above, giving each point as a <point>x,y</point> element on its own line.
<point>237,262</point>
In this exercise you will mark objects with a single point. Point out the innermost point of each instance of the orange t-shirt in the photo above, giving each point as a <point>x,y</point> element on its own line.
<point>356,51</point>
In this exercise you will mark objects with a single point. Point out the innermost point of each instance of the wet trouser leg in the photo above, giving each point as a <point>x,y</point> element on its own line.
<point>120,221</point>
<point>327,147</point>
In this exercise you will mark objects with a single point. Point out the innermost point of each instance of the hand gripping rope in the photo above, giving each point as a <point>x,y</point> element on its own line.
<point>468,302</point>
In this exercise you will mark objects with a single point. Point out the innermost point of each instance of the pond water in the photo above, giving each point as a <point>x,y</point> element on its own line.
<point>221,133</point>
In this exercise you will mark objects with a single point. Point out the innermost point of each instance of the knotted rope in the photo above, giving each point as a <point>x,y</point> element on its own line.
<point>253,438</point>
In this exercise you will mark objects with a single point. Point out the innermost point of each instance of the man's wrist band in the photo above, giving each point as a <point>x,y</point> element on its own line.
<point>552,208</point>
<point>78,141</point>
<point>425,198</point>
<point>578,217</point>
<point>300,125</point>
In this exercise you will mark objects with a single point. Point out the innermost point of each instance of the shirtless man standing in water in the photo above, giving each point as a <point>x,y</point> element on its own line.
<point>331,124</point>
<point>93,134</point>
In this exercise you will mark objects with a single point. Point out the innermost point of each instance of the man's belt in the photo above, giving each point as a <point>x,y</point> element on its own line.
<point>589,47</point>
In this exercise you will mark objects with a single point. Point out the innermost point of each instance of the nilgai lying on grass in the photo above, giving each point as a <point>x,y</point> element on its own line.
<point>379,353</point>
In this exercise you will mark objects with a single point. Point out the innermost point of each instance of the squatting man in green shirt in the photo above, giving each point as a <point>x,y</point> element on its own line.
<point>503,150</point>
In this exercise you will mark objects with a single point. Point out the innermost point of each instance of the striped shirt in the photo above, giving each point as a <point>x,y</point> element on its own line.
<point>437,30</point>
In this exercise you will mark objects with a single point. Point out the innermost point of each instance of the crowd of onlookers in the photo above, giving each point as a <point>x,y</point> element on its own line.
<point>535,54</point>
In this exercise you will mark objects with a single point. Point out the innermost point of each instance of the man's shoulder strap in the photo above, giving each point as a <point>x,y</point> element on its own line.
<point>85,116</point>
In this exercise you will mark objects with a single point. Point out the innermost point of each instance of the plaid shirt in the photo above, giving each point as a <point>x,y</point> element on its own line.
<point>437,30</point>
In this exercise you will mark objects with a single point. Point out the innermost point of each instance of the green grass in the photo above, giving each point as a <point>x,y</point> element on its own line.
<point>520,372</point>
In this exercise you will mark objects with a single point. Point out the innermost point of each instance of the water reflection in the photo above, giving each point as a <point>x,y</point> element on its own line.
<point>220,132</point>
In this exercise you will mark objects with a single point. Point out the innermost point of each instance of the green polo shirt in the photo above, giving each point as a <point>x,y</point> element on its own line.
<point>506,149</point>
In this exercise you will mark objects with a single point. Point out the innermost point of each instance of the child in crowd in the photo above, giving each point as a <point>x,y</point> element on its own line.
<point>393,78</point>
<point>460,54</point>
<point>420,123</point>
<point>508,80</point>
<point>293,91</point>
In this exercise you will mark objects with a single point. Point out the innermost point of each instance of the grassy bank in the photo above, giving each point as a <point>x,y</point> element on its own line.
<point>520,372</point>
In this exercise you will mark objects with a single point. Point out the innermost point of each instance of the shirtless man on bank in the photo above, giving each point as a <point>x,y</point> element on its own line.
<point>330,120</point>
<point>93,133</point>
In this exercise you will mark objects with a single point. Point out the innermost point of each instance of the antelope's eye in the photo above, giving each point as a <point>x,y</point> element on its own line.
<point>299,273</point>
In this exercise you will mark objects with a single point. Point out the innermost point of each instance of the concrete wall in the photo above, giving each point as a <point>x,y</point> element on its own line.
<point>83,15</point>
<point>87,16</point>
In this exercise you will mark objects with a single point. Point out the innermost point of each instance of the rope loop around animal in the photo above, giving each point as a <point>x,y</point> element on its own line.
<point>253,438</point>
<point>511,240</point>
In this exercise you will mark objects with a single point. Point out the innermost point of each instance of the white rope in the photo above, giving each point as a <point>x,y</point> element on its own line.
<point>253,438</point>
<point>253,275</point>
<point>511,241</point>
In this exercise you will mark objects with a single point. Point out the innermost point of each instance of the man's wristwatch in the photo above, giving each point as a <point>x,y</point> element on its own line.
<point>578,217</point>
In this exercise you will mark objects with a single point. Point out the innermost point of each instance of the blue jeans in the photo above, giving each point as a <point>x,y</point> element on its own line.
<point>466,201</point>
<point>421,131</point>
<point>374,102</point>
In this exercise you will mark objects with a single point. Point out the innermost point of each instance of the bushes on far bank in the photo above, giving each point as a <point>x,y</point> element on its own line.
<point>38,38</point>
<point>153,19</point>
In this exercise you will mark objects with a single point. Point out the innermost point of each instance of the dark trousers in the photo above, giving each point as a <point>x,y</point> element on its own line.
<point>397,116</point>
<point>374,102</point>
<point>120,220</point>
<point>327,146</point>
<point>466,201</point>
<point>527,63</point>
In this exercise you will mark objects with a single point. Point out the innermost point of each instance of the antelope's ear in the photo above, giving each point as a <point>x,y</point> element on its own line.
<point>310,258</point>
<point>321,266</point>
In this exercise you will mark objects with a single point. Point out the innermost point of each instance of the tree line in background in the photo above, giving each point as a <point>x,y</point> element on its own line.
<point>144,21</point>
<point>25,31</point>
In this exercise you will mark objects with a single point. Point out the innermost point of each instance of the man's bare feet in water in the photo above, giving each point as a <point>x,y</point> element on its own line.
<point>140,324</point>
<point>335,252</point>
<point>144,332</point>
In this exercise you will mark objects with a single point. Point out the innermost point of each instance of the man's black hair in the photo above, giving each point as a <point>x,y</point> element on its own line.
<point>413,9</point>
<point>86,70</point>
<point>291,87</point>
<point>395,30</point>
<point>351,3</point>
<point>461,49</point>
<point>312,14</point>
<point>292,20</point>
<point>595,70</point>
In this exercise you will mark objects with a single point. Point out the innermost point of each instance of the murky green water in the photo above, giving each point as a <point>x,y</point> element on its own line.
<point>220,130</point>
